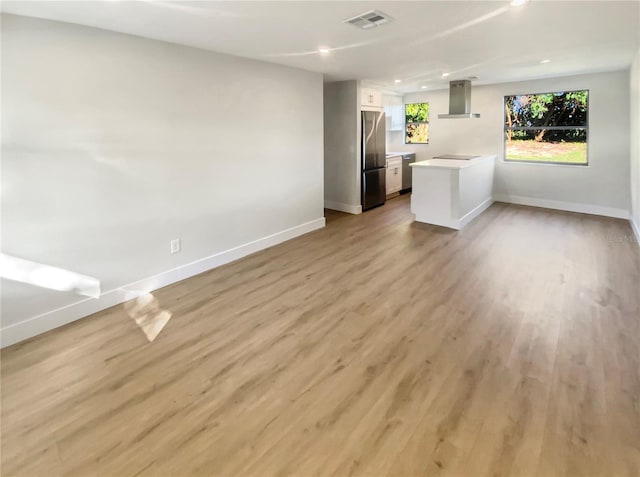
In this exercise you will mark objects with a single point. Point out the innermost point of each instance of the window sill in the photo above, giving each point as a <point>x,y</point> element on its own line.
<point>552,164</point>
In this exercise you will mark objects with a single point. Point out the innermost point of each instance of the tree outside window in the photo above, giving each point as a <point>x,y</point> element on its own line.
<point>416,124</point>
<point>548,127</point>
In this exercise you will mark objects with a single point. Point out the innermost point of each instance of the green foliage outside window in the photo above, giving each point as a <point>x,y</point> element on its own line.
<point>547,127</point>
<point>416,117</point>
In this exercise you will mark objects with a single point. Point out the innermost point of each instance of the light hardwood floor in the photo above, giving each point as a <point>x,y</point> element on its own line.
<point>376,346</point>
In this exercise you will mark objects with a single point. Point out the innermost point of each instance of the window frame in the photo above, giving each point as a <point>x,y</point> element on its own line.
<point>525,128</point>
<point>404,120</point>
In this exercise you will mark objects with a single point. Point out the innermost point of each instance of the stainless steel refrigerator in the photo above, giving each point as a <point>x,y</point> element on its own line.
<point>374,183</point>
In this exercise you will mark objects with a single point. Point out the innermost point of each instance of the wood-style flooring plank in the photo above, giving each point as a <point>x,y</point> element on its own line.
<point>375,346</point>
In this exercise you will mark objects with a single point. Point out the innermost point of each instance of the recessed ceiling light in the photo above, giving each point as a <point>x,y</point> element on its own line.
<point>397,81</point>
<point>424,87</point>
<point>323,50</point>
<point>517,3</point>
<point>545,61</point>
<point>444,75</point>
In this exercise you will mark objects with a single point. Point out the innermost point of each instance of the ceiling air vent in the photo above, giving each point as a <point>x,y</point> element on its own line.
<point>371,19</point>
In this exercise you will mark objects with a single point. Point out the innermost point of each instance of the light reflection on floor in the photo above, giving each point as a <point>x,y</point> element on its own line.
<point>146,312</point>
<point>142,306</point>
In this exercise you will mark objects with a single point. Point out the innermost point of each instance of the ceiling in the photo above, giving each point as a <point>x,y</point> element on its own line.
<point>492,40</point>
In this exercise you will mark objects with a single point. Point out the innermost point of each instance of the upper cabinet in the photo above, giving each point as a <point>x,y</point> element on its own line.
<point>371,99</point>
<point>394,112</point>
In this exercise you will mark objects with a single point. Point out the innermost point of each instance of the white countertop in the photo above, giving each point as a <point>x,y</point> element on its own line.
<point>394,154</point>
<point>452,163</point>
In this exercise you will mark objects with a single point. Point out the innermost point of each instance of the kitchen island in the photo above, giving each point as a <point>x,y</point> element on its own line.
<point>452,192</point>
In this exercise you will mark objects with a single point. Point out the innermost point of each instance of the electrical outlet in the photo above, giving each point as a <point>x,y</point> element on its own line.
<point>175,245</point>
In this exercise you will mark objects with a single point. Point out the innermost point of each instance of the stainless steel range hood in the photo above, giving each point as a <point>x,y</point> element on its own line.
<point>459,101</point>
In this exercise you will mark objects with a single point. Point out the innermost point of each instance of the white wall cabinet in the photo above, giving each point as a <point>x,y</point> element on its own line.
<point>394,175</point>
<point>394,112</point>
<point>370,99</point>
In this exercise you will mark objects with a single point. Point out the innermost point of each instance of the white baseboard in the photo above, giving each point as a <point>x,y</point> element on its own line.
<point>451,222</point>
<point>475,212</point>
<point>636,230</point>
<point>339,206</point>
<point>440,222</point>
<point>61,316</point>
<point>566,206</point>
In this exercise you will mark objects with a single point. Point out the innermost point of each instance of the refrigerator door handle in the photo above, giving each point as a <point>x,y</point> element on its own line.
<point>368,152</point>
<point>363,152</point>
<point>380,139</point>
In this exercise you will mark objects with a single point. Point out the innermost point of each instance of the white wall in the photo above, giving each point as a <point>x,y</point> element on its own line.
<point>341,146</point>
<point>113,145</point>
<point>635,143</point>
<point>602,187</point>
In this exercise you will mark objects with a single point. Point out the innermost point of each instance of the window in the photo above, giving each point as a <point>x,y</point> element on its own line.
<point>416,123</point>
<point>549,128</point>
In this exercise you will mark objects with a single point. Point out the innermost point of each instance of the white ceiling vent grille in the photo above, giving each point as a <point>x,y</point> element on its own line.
<point>371,19</point>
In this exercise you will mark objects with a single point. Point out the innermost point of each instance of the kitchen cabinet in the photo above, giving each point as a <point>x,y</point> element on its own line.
<point>370,99</point>
<point>394,175</point>
<point>450,192</point>
<point>394,112</point>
